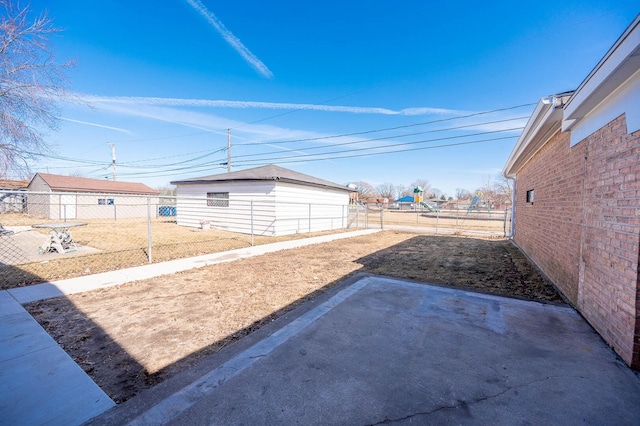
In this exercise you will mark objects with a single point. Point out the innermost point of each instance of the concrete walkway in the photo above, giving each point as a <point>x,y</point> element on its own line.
<point>39,382</point>
<point>379,350</point>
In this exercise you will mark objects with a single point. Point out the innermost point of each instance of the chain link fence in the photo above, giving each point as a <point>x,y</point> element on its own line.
<point>49,236</point>
<point>457,217</point>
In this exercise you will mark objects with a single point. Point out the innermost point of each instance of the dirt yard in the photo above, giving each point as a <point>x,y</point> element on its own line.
<point>134,336</point>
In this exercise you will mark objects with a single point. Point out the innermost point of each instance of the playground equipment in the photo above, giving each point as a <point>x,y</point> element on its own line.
<point>429,207</point>
<point>478,201</point>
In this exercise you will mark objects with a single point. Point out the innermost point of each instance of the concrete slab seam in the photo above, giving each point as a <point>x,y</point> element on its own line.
<point>174,405</point>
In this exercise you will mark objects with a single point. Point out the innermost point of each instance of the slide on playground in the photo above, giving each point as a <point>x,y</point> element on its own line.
<point>430,207</point>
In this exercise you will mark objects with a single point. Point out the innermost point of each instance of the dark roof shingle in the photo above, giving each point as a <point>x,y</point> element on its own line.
<point>270,172</point>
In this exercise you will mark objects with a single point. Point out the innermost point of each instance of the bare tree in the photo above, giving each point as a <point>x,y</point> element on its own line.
<point>497,190</point>
<point>504,190</point>
<point>389,190</point>
<point>167,191</point>
<point>462,194</point>
<point>406,190</point>
<point>365,190</point>
<point>31,83</point>
<point>435,193</point>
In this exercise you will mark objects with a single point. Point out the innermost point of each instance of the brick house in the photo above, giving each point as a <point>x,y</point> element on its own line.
<point>577,194</point>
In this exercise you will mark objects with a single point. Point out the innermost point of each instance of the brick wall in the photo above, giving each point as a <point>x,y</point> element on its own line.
<point>583,228</point>
<point>549,229</point>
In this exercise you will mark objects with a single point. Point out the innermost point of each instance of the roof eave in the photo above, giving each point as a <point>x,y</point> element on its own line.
<point>275,179</point>
<point>538,117</point>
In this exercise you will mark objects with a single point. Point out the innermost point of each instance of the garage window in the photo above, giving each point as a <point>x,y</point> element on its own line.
<point>218,199</point>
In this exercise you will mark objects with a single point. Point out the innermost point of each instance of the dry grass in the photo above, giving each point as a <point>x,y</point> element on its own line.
<point>133,336</point>
<point>124,243</point>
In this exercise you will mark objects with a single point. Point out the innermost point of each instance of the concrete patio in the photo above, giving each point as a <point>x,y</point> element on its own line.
<point>379,350</point>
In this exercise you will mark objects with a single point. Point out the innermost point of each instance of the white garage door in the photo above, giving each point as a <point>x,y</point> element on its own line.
<point>67,207</point>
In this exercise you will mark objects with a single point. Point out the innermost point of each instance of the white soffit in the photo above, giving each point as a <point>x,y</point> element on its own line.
<point>543,123</point>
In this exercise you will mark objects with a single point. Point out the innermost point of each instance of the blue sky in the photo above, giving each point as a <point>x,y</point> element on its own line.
<point>382,84</point>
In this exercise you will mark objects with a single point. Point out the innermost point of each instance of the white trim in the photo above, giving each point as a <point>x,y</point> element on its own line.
<point>543,123</point>
<point>624,100</point>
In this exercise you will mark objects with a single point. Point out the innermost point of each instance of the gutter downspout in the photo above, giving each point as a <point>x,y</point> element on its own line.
<point>513,209</point>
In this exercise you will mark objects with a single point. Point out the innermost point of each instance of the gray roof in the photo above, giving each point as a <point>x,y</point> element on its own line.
<point>270,172</point>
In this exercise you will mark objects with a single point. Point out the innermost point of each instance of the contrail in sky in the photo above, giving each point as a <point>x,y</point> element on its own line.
<point>231,39</point>
<point>211,103</point>
<point>117,129</point>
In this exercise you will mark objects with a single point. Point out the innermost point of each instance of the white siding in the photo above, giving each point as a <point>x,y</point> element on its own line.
<point>309,209</point>
<point>123,207</point>
<point>39,205</point>
<point>192,207</point>
<point>274,208</point>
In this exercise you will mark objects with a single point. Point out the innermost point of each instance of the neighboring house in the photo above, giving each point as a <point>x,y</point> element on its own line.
<point>83,198</point>
<point>12,196</point>
<point>376,202</point>
<point>268,200</point>
<point>406,202</point>
<point>577,197</point>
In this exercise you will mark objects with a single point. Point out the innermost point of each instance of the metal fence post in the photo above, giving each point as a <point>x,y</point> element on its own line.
<point>251,223</point>
<point>437,219</point>
<point>382,218</point>
<point>366,218</point>
<point>309,217</point>
<point>504,229</point>
<point>149,245</point>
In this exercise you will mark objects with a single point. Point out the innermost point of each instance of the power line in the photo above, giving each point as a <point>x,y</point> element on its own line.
<point>257,162</point>
<point>173,156</point>
<point>402,136</point>
<point>274,156</point>
<point>149,166</point>
<point>385,146</point>
<point>394,128</point>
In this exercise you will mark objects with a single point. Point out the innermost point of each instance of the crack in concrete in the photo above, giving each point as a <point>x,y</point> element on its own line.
<point>466,404</point>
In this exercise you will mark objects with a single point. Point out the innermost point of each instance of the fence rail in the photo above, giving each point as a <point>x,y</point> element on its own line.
<point>48,236</point>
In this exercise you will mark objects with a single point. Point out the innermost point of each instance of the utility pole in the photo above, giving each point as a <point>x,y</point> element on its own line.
<point>228,150</point>
<point>113,159</point>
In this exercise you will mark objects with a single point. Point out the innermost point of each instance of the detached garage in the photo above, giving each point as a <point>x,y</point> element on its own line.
<point>268,200</point>
<point>83,198</point>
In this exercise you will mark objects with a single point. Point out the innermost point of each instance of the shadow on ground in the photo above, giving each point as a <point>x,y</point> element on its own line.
<point>491,266</point>
<point>485,265</point>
